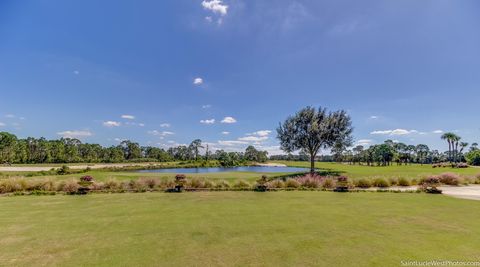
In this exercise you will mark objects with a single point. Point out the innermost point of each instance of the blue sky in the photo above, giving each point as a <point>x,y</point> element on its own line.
<point>166,72</point>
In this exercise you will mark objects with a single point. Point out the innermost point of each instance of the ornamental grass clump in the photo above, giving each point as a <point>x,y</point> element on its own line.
<point>276,184</point>
<point>10,186</point>
<point>328,183</point>
<point>363,183</point>
<point>241,184</point>
<point>311,180</point>
<point>430,185</point>
<point>342,184</point>
<point>222,185</point>
<point>195,183</point>
<point>403,182</point>
<point>150,183</point>
<point>112,185</point>
<point>261,185</point>
<point>292,183</point>
<point>380,182</point>
<point>449,178</point>
<point>70,187</point>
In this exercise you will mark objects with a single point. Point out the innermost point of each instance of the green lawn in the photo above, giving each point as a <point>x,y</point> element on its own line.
<point>237,229</point>
<point>414,171</point>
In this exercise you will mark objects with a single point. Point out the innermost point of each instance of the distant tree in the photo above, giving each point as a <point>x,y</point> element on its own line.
<point>311,130</point>
<point>474,147</point>
<point>131,150</point>
<point>8,144</point>
<point>422,153</point>
<point>473,157</point>
<point>195,147</point>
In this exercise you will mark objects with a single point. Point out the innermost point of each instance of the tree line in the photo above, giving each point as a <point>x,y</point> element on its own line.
<point>71,150</point>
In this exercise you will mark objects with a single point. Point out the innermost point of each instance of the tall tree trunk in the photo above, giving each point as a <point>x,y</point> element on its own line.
<point>449,151</point>
<point>312,164</point>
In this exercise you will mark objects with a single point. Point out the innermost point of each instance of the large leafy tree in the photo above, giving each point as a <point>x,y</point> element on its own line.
<point>310,130</point>
<point>195,147</point>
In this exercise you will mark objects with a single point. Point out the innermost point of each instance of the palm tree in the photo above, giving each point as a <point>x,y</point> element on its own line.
<point>449,137</point>
<point>455,141</point>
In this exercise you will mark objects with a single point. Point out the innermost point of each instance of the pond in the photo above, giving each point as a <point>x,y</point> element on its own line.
<point>229,169</point>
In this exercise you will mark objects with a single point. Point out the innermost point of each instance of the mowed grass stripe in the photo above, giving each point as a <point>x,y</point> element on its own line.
<point>237,229</point>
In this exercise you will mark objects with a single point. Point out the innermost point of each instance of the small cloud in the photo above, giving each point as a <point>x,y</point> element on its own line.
<point>141,124</point>
<point>437,132</point>
<point>208,19</point>
<point>75,134</point>
<point>198,81</point>
<point>231,143</point>
<point>216,6</point>
<point>364,142</point>
<point>252,138</point>
<point>373,117</point>
<point>165,125</point>
<point>394,132</point>
<point>158,133</point>
<point>229,120</point>
<point>2,124</point>
<point>210,121</point>
<point>112,124</point>
<point>119,140</point>
<point>206,106</point>
<point>225,133</point>
<point>261,133</point>
<point>10,116</point>
<point>128,117</point>
<point>76,72</point>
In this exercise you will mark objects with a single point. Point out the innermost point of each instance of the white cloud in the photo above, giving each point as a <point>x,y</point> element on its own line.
<point>229,120</point>
<point>128,117</point>
<point>76,72</point>
<point>364,142</point>
<point>198,81</point>
<point>225,133</point>
<point>210,121</point>
<point>206,106</point>
<point>75,134</point>
<point>10,116</point>
<point>112,124</point>
<point>231,143</point>
<point>373,117</point>
<point>262,133</point>
<point>437,131</point>
<point>216,6</point>
<point>395,132</point>
<point>2,124</point>
<point>252,138</point>
<point>208,18</point>
<point>165,125</point>
<point>158,133</point>
<point>141,124</point>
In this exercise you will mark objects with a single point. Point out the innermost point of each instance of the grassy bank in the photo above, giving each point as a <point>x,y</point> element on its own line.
<point>414,171</point>
<point>237,229</point>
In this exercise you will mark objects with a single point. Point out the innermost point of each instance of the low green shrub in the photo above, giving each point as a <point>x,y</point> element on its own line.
<point>380,182</point>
